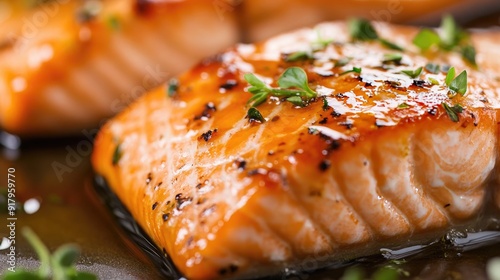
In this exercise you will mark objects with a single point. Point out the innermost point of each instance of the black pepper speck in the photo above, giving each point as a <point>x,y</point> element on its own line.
<point>324,165</point>
<point>229,84</point>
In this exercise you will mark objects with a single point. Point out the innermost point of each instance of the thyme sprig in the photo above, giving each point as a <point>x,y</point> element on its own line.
<point>58,266</point>
<point>451,37</point>
<point>363,30</point>
<point>293,86</point>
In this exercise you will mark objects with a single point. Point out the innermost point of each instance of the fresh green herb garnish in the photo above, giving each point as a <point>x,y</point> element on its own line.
<point>117,154</point>
<point>353,273</point>
<point>58,266</point>
<point>450,76</point>
<point>363,30</point>
<point>433,81</point>
<point>254,115</point>
<point>296,100</point>
<point>320,42</point>
<point>452,38</point>
<point>173,86</point>
<point>390,45</point>
<point>445,68</point>
<point>392,57</point>
<point>469,54</point>
<point>325,104</point>
<point>316,45</point>
<point>293,82</point>
<point>453,111</point>
<point>451,33</point>
<point>432,68</point>
<point>300,55</point>
<point>426,38</point>
<point>413,73</point>
<point>385,273</point>
<point>403,105</point>
<point>353,70</point>
<point>459,84</point>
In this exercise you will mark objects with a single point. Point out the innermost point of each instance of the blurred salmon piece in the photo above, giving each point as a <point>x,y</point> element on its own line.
<point>68,65</point>
<point>265,18</point>
<point>377,160</point>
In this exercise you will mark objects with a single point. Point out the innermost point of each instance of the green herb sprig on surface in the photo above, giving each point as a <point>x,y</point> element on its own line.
<point>353,70</point>
<point>413,73</point>
<point>363,30</point>
<point>293,85</point>
<point>451,37</point>
<point>453,112</point>
<point>318,44</point>
<point>58,266</point>
<point>457,84</point>
<point>117,154</point>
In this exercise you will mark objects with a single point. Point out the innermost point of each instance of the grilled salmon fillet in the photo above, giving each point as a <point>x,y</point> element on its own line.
<point>377,159</point>
<point>68,65</point>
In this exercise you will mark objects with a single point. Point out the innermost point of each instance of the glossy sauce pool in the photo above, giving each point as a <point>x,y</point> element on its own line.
<point>70,211</point>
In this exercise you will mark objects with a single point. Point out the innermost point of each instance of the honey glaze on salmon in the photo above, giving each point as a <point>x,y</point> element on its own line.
<point>375,159</point>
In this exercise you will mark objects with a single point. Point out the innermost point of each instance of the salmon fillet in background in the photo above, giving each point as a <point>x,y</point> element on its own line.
<point>344,176</point>
<point>67,65</point>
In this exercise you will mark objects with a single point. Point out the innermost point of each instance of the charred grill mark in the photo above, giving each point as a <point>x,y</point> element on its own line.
<point>240,164</point>
<point>207,112</point>
<point>335,114</point>
<point>208,135</point>
<point>182,201</point>
<point>474,118</point>
<point>257,171</point>
<point>324,165</point>
<point>419,83</point>
<point>229,84</point>
<point>347,125</point>
<point>165,217</point>
<point>432,111</point>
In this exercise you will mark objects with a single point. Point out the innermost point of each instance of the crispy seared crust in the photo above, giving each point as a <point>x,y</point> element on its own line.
<point>226,197</point>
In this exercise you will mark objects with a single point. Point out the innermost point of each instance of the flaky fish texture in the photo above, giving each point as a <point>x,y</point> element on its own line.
<point>377,159</point>
<point>68,65</point>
